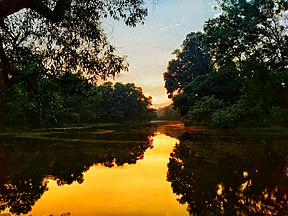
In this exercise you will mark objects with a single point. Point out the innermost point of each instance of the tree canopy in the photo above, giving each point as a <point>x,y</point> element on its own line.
<point>71,100</point>
<point>191,62</point>
<point>246,58</point>
<point>53,52</point>
<point>55,36</point>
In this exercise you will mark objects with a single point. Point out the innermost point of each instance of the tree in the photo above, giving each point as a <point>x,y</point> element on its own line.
<point>190,76</point>
<point>62,35</point>
<point>124,102</point>
<point>191,62</point>
<point>168,113</point>
<point>250,38</point>
<point>223,85</point>
<point>248,30</point>
<point>247,48</point>
<point>7,8</point>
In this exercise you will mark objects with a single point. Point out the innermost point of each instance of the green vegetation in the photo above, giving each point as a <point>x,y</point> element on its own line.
<point>234,73</point>
<point>73,100</point>
<point>56,36</point>
<point>168,113</point>
<point>52,53</point>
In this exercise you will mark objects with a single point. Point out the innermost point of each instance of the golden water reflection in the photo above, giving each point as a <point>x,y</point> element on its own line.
<point>135,171</point>
<point>139,189</point>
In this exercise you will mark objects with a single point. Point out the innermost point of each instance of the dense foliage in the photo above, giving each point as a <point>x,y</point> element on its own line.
<point>53,36</point>
<point>235,72</point>
<point>73,100</point>
<point>190,62</point>
<point>51,51</point>
<point>168,113</point>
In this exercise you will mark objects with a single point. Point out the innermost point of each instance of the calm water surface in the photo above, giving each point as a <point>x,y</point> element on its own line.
<point>161,169</point>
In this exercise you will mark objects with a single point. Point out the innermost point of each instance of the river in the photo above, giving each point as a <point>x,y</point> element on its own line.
<point>159,169</point>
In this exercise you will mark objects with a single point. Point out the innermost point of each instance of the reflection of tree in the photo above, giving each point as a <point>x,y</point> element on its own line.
<point>230,174</point>
<point>26,162</point>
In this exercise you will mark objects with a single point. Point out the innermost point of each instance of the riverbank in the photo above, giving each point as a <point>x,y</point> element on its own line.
<point>10,129</point>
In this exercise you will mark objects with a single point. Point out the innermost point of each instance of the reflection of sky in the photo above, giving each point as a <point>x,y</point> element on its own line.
<point>149,46</point>
<point>137,189</point>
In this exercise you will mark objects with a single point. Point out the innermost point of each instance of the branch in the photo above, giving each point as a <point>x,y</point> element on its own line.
<point>9,7</point>
<point>54,15</point>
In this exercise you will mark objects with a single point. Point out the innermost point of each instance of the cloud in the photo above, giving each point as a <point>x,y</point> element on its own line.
<point>149,46</point>
<point>169,27</point>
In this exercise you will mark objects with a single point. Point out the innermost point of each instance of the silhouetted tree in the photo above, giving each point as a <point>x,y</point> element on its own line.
<point>191,62</point>
<point>246,47</point>
<point>61,35</point>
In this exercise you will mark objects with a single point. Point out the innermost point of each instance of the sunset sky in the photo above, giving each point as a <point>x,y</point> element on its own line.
<point>148,47</point>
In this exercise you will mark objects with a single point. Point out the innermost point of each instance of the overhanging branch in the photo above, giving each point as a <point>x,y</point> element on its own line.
<point>8,7</point>
<point>54,15</point>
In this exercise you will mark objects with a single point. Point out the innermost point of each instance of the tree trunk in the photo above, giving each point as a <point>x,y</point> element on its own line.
<point>5,65</point>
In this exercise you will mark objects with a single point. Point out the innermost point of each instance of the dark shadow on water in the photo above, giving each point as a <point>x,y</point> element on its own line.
<point>231,174</point>
<point>215,173</point>
<point>27,159</point>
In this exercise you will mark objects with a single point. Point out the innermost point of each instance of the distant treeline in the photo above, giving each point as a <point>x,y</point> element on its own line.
<point>70,99</point>
<point>235,72</point>
<point>168,113</point>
